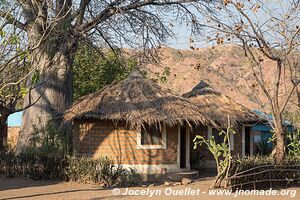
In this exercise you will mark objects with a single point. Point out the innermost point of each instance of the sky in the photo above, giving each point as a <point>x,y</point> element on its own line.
<point>180,41</point>
<point>15,119</point>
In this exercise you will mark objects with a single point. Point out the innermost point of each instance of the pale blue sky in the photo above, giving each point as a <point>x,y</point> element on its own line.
<point>15,119</point>
<point>181,41</point>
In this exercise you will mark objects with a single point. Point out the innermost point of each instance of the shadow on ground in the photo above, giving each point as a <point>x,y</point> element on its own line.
<point>51,193</point>
<point>10,183</point>
<point>10,189</point>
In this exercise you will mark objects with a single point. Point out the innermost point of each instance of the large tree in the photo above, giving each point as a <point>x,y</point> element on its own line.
<point>265,31</point>
<point>53,29</point>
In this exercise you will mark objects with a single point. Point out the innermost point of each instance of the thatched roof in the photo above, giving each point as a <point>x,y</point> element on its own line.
<point>136,100</point>
<point>218,106</point>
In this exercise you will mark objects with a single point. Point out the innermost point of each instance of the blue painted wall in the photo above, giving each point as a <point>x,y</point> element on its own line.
<point>265,127</point>
<point>261,127</point>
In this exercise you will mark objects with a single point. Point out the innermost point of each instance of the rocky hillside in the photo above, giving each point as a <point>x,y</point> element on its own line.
<point>225,68</point>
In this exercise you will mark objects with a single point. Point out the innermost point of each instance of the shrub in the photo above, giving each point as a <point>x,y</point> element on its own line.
<point>263,148</point>
<point>293,146</point>
<point>131,178</point>
<point>47,157</point>
<point>31,164</point>
<point>101,170</point>
<point>43,158</point>
<point>48,140</point>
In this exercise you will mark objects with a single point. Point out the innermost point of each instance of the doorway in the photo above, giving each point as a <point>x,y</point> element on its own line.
<point>247,140</point>
<point>182,147</point>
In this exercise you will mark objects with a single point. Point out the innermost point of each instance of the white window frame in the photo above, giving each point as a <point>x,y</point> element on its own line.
<point>153,146</point>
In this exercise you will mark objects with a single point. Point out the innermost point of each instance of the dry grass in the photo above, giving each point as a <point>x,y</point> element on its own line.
<point>219,106</point>
<point>136,101</point>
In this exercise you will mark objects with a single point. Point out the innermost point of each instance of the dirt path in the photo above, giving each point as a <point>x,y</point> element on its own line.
<point>28,189</point>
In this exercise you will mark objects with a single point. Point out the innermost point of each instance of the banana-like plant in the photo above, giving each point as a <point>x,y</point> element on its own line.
<point>221,153</point>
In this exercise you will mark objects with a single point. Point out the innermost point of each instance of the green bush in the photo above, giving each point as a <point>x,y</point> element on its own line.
<point>263,148</point>
<point>94,70</point>
<point>48,140</point>
<point>131,178</point>
<point>220,151</point>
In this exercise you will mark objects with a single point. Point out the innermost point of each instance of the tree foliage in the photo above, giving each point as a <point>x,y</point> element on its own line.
<point>92,70</point>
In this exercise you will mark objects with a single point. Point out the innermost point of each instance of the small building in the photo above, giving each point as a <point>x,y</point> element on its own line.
<point>224,111</point>
<point>13,129</point>
<point>262,133</point>
<point>136,124</point>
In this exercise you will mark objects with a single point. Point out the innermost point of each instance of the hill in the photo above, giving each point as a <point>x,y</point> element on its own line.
<point>224,67</point>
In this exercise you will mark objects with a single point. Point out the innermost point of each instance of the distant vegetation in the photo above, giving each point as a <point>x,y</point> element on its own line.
<point>94,69</point>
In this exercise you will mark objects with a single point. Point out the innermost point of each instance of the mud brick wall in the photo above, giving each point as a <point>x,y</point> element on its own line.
<point>97,138</point>
<point>13,135</point>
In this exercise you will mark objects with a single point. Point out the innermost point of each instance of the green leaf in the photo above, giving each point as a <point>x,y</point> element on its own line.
<point>35,77</point>
<point>23,91</point>
<point>2,33</point>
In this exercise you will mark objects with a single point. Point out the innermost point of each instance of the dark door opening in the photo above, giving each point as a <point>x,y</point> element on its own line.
<point>247,140</point>
<point>182,147</point>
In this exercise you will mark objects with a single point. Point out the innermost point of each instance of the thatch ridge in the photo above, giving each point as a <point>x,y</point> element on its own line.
<point>136,100</point>
<point>218,106</point>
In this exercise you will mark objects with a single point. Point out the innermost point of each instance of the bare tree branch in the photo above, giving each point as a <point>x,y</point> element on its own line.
<point>12,20</point>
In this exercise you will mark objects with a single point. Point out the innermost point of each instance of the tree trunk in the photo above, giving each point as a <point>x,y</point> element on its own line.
<point>53,51</point>
<point>280,146</point>
<point>298,95</point>
<point>53,92</point>
<point>50,97</point>
<point>3,131</point>
<point>280,140</point>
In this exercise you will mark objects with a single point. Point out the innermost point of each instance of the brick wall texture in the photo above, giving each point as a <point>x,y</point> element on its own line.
<point>104,138</point>
<point>12,135</point>
<point>97,138</point>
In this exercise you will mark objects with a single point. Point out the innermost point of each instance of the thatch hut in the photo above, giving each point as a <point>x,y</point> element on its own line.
<point>223,110</point>
<point>137,124</point>
<point>218,106</point>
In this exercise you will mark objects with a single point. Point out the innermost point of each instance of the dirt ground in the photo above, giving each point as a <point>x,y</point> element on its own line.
<point>28,189</point>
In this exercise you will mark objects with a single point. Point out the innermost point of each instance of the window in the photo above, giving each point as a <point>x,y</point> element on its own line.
<point>152,137</point>
<point>256,138</point>
<point>261,143</point>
